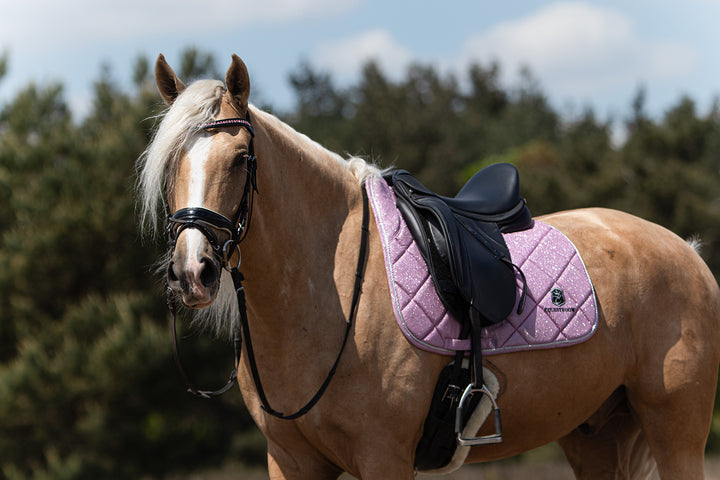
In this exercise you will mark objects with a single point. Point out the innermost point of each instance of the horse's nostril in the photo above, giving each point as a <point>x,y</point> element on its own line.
<point>209,274</point>
<point>171,275</point>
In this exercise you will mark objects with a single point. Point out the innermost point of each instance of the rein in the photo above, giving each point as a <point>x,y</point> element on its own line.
<point>357,289</point>
<point>207,221</point>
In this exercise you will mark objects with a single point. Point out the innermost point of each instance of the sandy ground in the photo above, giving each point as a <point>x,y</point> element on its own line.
<point>491,471</point>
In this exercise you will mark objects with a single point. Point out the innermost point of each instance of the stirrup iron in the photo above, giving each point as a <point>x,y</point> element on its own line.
<point>470,390</point>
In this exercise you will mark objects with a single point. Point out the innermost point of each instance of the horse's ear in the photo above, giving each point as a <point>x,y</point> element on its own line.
<point>237,82</point>
<point>169,85</point>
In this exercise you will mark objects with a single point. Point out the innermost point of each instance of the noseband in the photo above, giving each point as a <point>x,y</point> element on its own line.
<point>209,222</point>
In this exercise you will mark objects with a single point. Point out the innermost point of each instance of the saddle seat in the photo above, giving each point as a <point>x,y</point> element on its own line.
<point>493,192</point>
<point>491,195</point>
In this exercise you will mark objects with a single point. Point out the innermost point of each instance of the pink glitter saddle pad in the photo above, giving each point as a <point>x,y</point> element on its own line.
<point>560,309</point>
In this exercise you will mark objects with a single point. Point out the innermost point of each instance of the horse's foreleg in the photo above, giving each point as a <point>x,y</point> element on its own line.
<point>389,467</point>
<point>308,465</point>
<point>283,466</point>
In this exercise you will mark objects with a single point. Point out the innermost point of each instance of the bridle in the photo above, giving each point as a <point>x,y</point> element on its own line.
<point>208,222</point>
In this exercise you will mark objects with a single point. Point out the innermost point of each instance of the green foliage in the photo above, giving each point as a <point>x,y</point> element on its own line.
<point>87,384</point>
<point>88,388</point>
<point>426,123</point>
<point>91,398</point>
<point>3,65</point>
<point>196,64</point>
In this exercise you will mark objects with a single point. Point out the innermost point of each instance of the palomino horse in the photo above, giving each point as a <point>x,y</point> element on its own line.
<point>640,391</point>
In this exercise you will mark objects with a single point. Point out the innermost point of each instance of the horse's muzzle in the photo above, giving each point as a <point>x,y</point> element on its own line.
<point>196,281</point>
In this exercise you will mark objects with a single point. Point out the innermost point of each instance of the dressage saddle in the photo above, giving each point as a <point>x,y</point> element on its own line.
<point>461,239</point>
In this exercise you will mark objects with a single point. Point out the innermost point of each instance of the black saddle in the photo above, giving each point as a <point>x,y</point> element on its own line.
<point>461,238</point>
<point>461,241</point>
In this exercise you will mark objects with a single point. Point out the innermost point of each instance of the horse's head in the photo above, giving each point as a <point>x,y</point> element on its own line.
<point>209,177</point>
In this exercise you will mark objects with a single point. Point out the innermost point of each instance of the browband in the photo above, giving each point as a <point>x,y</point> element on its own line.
<point>229,122</point>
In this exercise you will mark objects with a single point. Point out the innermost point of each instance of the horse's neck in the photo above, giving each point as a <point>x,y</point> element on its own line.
<point>302,227</point>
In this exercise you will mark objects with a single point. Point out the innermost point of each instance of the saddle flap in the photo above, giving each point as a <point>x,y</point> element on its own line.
<point>486,269</point>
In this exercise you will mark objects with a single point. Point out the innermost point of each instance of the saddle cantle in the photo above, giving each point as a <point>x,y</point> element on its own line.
<point>461,238</point>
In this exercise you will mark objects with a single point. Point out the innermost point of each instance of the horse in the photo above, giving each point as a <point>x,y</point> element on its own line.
<point>637,396</point>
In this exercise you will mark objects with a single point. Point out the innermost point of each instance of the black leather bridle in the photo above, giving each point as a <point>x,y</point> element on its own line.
<point>208,222</point>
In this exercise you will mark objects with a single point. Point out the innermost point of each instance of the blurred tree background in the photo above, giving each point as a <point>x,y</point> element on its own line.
<point>88,388</point>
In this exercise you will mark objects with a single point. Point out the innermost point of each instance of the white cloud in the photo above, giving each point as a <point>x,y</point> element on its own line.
<point>42,24</point>
<point>346,57</point>
<point>580,49</point>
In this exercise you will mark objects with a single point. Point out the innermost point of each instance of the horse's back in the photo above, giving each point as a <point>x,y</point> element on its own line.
<point>640,257</point>
<point>643,272</point>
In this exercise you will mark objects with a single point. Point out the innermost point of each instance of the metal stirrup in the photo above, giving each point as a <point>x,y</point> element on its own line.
<point>496,437</point>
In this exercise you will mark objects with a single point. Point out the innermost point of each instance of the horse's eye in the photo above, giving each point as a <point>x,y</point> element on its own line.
<point>240,159</point>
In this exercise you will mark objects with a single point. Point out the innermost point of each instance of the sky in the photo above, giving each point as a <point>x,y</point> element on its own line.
<point>584,53</point>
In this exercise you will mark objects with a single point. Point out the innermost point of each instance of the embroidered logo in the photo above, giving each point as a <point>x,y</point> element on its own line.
<point>557,296</point>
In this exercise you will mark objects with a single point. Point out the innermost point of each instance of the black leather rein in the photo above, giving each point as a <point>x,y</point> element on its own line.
<point>208,222</point>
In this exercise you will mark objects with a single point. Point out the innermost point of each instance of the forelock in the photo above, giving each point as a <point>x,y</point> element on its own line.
<point>198,104</point>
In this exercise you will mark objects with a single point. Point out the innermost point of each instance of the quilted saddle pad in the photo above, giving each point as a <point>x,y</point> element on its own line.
<point>560,308</point>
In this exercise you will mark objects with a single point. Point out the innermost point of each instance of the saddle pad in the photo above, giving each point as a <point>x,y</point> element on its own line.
<point>560,309</point>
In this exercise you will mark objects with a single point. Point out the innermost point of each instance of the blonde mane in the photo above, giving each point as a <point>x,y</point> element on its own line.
<point>198,104</point>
